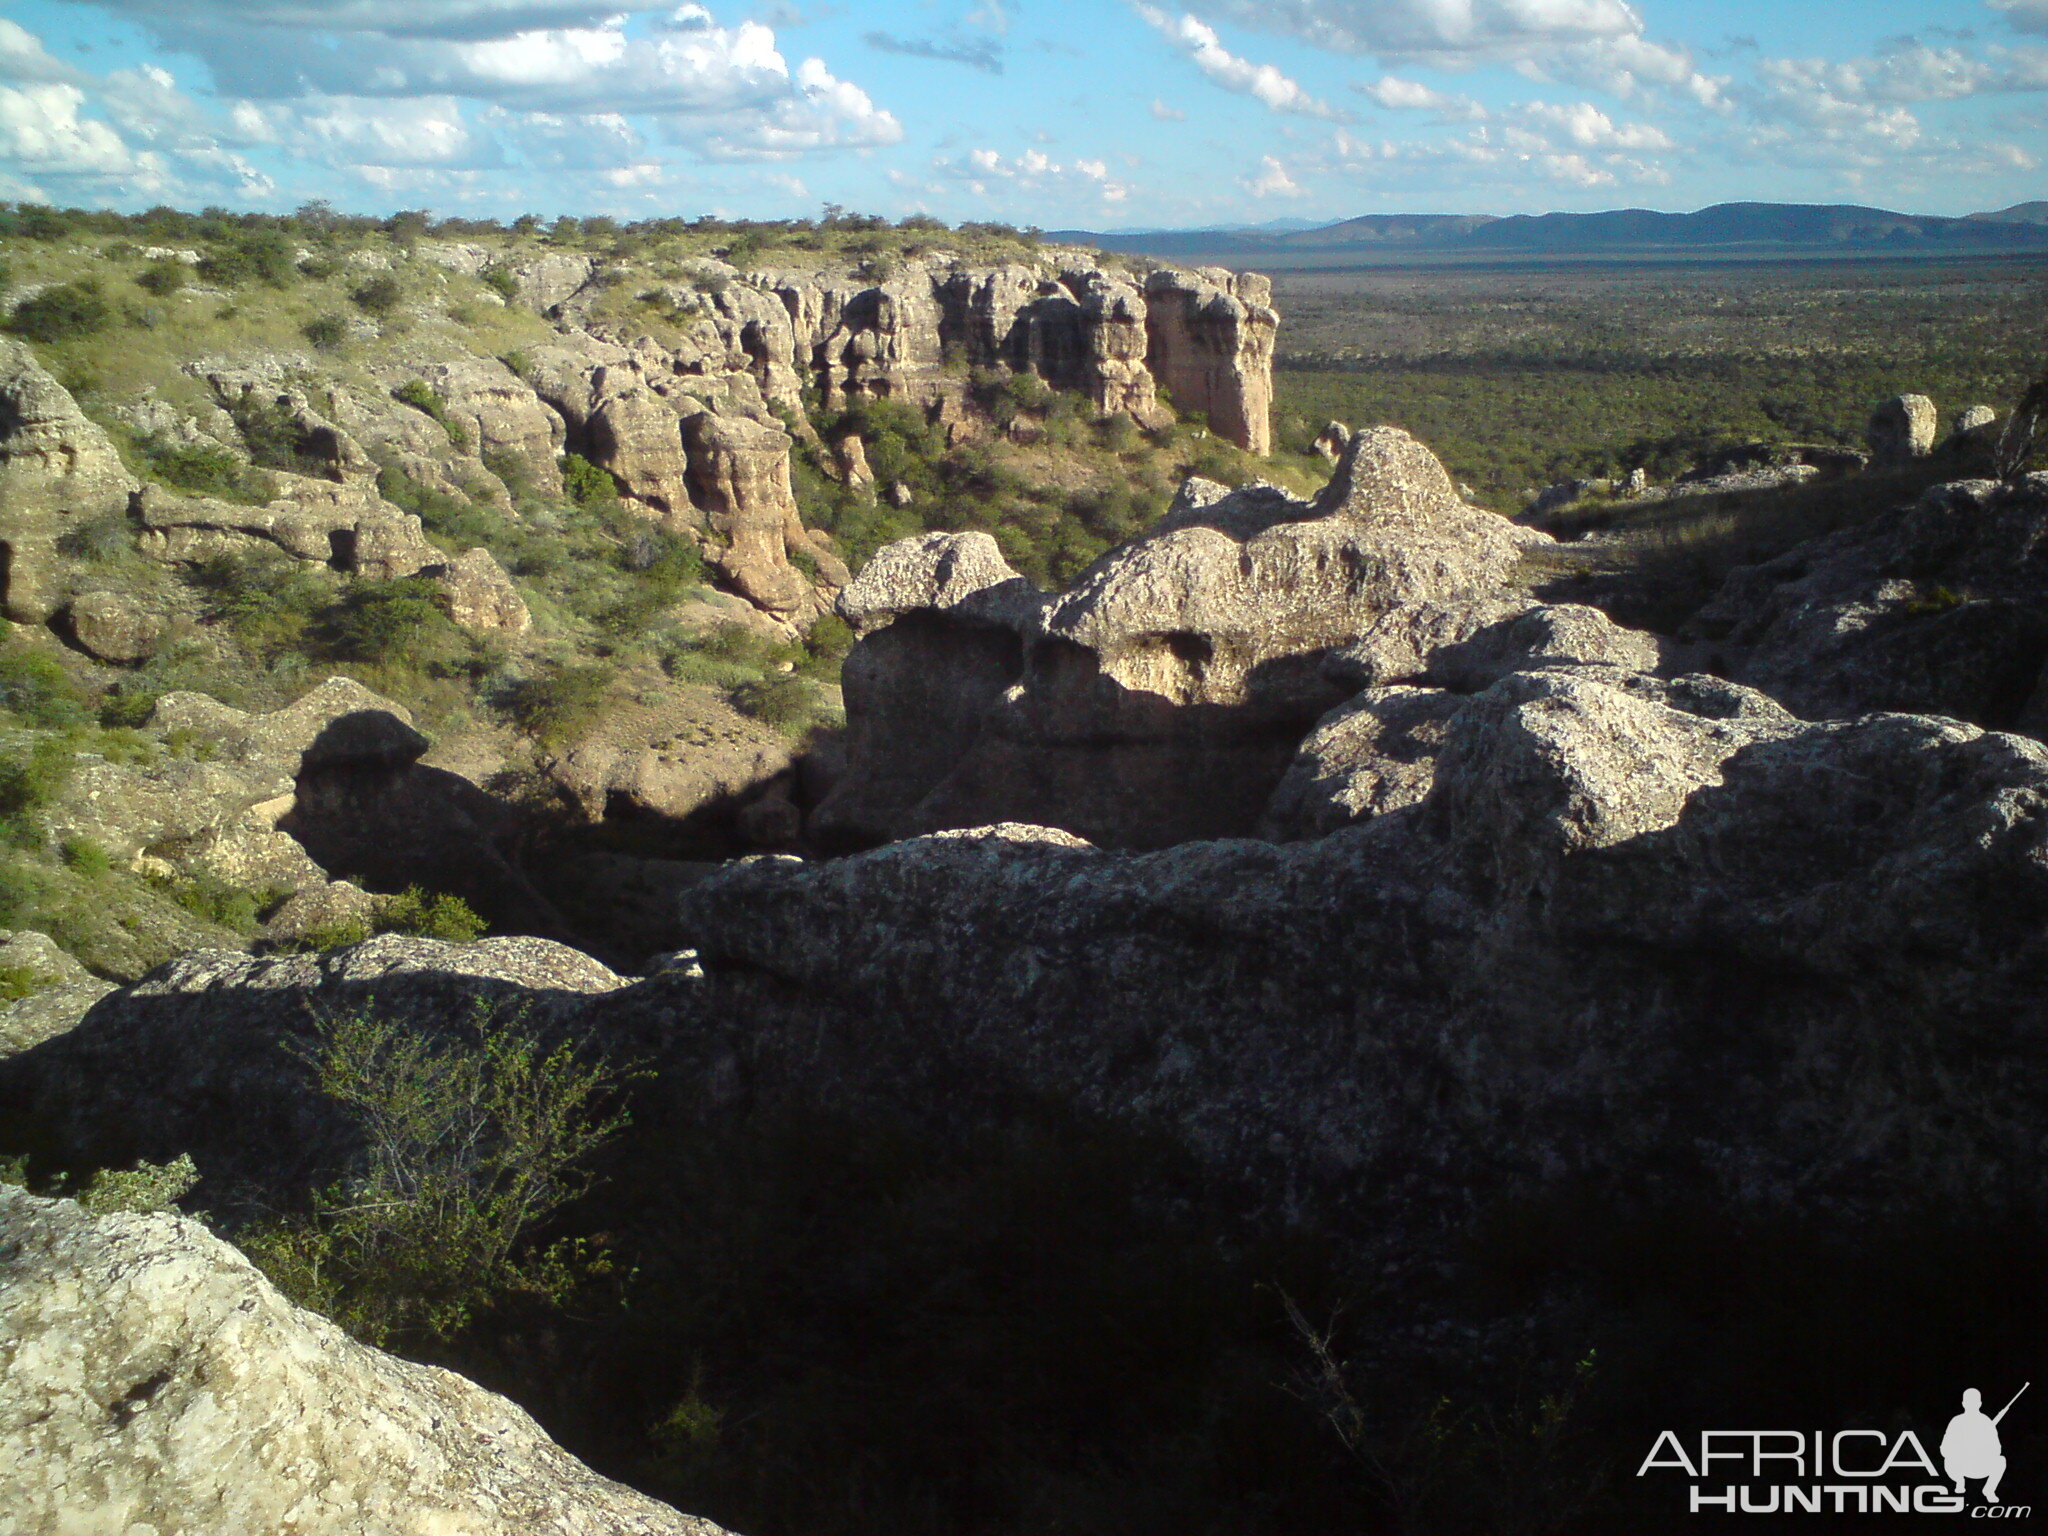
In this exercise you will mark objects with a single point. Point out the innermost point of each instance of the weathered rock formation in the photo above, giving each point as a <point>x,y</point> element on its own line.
<point>151,1379</point>
<point>481,596</point>
<point>1637,933</point>
<point>1161,697</point>
<point>114,626</point>
<point>739,483</point>
<point>55,465</point>
<point>1212,347</point>
<point>1903,428</point>
<point>1934,607</point>
<point>346,526</point>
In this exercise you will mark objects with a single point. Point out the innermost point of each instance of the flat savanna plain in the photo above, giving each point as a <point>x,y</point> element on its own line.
<point>1520,376</point>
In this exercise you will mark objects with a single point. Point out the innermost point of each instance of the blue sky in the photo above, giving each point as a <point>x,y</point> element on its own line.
<point>1059,113</point>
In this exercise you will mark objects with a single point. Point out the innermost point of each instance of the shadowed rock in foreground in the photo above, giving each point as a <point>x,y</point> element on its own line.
<point>152,1380</point>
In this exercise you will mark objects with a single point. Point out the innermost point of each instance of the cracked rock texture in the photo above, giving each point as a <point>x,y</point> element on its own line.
<point>152,1380</point>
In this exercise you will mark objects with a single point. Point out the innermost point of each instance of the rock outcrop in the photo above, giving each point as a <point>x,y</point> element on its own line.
<point>1212,346</point>
<point>113,626</point>
<point>1903,428</point>
<point>151,1379</point>
<point>738,478</point>
<point>55,465</point>
<point>346,526</point>
<point>1637,933</point>
<point>1935,607</point>
<point>50,991</point>
<point>1161,697</point>
<point>481,596</point>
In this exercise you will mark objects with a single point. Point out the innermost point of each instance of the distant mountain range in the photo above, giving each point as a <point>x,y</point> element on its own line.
<point>1727,228</point>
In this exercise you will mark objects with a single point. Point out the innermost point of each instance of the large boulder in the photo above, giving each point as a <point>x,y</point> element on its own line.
<point>55,464</point>
<point>114,626</point>
<point>677,768</point>
<point>1903,428</point>
<point>151,1379</point>
<point>481,596</point>
<point>1161,697</point>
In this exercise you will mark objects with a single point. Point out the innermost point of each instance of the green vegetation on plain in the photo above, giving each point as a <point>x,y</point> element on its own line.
<point>1519,379</point>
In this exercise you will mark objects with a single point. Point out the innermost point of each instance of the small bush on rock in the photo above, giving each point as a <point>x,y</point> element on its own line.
<point>145,1187</point>
<point>430,915</point>
<point>469,1145</point>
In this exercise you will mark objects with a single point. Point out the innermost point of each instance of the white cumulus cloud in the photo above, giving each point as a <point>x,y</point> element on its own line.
<point>1588,127</point>
<point>1272,180</point>
<point>1201,44</point>
<point>1448,30</point>
<point>1413,96</point>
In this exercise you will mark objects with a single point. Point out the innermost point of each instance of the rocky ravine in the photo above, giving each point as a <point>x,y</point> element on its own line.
<point>1566,919</point>
<point>1528,914</point>
<point>695,431</point>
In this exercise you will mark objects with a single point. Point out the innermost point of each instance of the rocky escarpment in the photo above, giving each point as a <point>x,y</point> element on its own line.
<point>692,417</point>
<point>151,1379</point>
<point>1163,695</point>
<point>1206,336</point>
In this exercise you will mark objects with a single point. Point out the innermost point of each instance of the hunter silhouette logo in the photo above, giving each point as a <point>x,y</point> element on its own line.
<point>1970,1449</point>
<point>1848,1472</point>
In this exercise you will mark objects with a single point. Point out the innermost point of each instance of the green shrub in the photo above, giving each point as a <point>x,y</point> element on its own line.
<point>469,1145</point>
<point>219,901</point>
<point>501,280</point>
<point>63,312</point>
<point>327,332</point>
<point>29,781</point>
<point>35,687</point>
<point>403,622</point>
<point>267,600</point>
<point>380,296</point>
<point>430,915</point>
<point>19,981</point>
<point>128,706</point>
<point>270,430</point>
<point>86,857</point>
<point>206,469</point>
<point>163,278</point>
<point>98,540</point>
<point>559,706</point>
<point>422,396</point>
<point>262,255</point>
<point>666,558</point>
<point>145,1187</point>
<point>781,699</point>
<point>588,486</point>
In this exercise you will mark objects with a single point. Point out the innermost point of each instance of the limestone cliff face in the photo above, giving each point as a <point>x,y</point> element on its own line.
<point>695,428</point>
<point>1163,695</point>
<point>1212,347</point>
